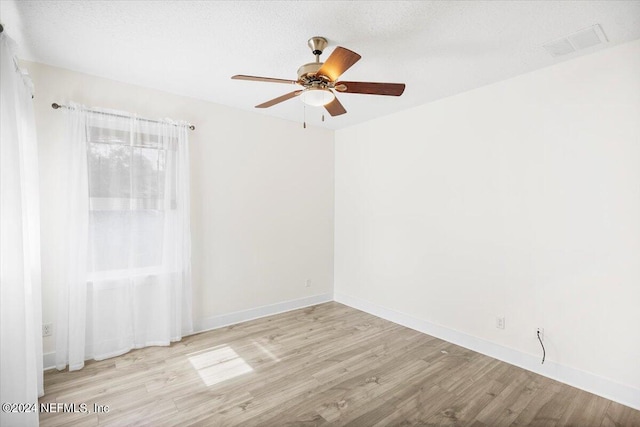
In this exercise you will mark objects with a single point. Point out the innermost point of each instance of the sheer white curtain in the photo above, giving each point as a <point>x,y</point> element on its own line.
<point>20,304</point>
<point>130,216</point>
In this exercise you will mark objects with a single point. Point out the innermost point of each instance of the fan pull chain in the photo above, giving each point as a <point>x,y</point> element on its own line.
<point>304,120</point>
<point>323,117</point>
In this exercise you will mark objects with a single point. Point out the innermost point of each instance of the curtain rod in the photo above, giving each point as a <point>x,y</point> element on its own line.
<point>55,106</point>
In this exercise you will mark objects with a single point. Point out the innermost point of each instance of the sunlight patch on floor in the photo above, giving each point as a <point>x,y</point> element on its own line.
<point>218,364</point>
<point>265,351</point>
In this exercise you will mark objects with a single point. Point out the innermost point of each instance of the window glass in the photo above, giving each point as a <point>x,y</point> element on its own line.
<point>127,204</point>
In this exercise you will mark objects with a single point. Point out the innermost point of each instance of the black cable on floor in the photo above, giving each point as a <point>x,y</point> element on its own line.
<point>544,353</point>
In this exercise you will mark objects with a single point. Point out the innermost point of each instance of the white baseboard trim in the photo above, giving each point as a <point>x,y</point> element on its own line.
<point>215,322</point>
<point>606,388</point>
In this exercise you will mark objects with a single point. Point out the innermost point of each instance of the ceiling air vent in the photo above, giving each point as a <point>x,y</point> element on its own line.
<point>579,40</point>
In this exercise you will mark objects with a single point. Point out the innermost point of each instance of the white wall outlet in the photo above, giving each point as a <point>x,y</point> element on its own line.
<point>500,322</point>
<point>307,283</point>
<point>541,330</point>
<point>47,329</point>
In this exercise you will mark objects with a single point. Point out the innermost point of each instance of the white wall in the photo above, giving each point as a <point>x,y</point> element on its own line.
<point>519,199</point>
<point>262,196</point>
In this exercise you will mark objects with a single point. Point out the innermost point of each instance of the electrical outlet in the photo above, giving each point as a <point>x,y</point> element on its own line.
<point>47,329</point>
<point>307,283</point>
<point>541,331</point>
<point>500,322</point>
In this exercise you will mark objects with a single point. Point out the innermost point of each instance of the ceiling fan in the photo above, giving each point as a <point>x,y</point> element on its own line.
<point>319,80</point>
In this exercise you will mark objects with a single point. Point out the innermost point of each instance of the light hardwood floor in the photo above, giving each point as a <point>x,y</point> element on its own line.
<point>323,365</point>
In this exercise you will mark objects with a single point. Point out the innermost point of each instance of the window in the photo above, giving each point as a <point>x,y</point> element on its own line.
<point>128,178</point>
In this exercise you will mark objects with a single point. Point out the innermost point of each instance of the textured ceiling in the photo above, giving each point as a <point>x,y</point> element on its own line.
<point>192,48</point>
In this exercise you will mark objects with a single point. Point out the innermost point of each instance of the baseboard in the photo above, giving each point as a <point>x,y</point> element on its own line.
<point>223,320</point>
<point>215,322</point>
<point>600,386</point>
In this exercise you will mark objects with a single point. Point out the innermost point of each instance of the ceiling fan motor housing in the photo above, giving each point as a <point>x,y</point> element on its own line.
<point>307,73</point>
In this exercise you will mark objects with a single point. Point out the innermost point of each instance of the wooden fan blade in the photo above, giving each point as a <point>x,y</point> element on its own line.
<point>338,62</point>
<point>335,108</point>
<point>279,99</point>
<point>262,79</point>
<point>371,88</point>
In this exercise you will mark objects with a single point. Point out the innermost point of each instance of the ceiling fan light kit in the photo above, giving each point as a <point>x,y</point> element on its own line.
<point>317,96</point>
<point>319,80</point>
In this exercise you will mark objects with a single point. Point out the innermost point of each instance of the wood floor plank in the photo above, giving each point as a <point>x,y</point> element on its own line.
<point>618,415</point>
<point>326,365</point>
<point>586,409</point>
<point>359,370</point>
<point>545,393</point>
